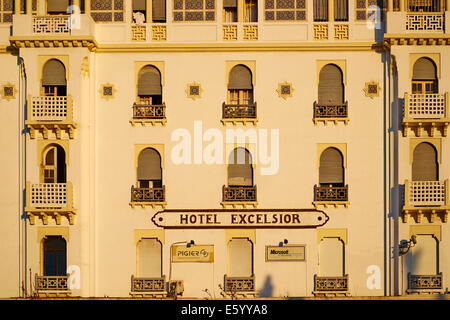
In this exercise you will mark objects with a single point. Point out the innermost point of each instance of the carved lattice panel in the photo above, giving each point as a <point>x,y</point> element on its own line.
<point>340,32</point>
<point>320,32</point>
<point>250,32</point>
<point>138,33</point>
<point>425,22</point>
<point>229,32</point>
<point>159,33</point>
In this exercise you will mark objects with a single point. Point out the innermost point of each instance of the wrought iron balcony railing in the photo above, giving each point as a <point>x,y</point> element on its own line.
<point>239,193</point>
<point>331,283</point>
<point>52,283</point>
<point>149,111</point>
<point>330,111</point>
<point>330,193</point>
<point>148,285</point>
<point>239,284</point>
<point>425,282</point>
<point>150,196</point>
<point>239,111</point>
<point>51,25</point>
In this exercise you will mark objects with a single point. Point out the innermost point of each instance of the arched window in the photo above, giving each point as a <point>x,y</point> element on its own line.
<point>240,258</point>
<point>149,258</point>
<point>55,256</point>
<point>425,165</point>
<point>149,172</point>
<point>424,77</point>
<point>240,170</point>
<point>331,257</point>
<point>149,86</point>
<point>54,78</point>
<point>331,170</point>
<point>240,86</point>
<point>54,165</point>
<point>331,86</point>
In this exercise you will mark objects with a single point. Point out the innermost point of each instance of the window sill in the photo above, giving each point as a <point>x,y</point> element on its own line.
<point>430,125</point>
<point>237,204</point>
<point>326,204</point>
<point>56,213</point>
<point>430,212</point>
<point>244,121</point>
<point>144,122</point>
<point>46,125</point>
<point>144,204</point>
<point>331,120</point>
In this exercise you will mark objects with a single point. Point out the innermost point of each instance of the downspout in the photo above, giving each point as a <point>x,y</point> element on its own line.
<point>23,241</point>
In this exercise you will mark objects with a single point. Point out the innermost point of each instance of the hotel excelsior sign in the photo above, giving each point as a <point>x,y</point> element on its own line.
<point>234,218</point>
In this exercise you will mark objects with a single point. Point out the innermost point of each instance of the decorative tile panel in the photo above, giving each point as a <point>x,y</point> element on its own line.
<point>285,90</point>
<point>107,10</point>
<point>6,11</point>
<point>8,91</point>
<point>194,90</point>
<point>194,10</point>
<point>285,10</point>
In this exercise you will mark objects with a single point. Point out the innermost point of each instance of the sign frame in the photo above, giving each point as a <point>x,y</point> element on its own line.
<point>268,247</point>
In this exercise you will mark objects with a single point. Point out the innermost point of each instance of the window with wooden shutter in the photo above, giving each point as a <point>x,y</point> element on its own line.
<point>425,165</point>
<point>149,171</point>
<point>57,6</point>
<point>240,170</point>
<point>424,77</point>
<point>149,86</point>
<point>331,87</point>
<point>149,258</point>
<point>331,170</point>
<point>240,258</point>
<point>54,81</point>
<point>340,10</point>
<point>55,256</point>
<point>320,8</point>
<point>159,11</point>
<point>240,87</point>
<point>230,10</point>
<point>251,11</point>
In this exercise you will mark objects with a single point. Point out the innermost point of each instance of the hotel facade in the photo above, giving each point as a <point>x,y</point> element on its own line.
<point>224,148</point>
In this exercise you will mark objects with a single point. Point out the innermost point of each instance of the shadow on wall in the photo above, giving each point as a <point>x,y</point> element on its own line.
<point>267,290</point>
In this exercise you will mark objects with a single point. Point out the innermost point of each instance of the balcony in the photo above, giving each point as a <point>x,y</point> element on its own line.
<point>148,197</point>
<point>239,113</point>
<point>50,199</point>
<point>50,114</point>
<point>50,286</point>
<point>149,113</point>
<point>425,283</point>
<point>148,287</point>
<point>331,113</point>
<point>331,286</point>
<point>330,195</point>
<point>240,286</point>
<point>426,112</point>
<point>429,198</point>
<point>53,31</point>
<point>239,196</point>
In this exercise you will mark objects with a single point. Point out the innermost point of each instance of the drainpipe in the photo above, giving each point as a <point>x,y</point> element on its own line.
<point>23,253</point>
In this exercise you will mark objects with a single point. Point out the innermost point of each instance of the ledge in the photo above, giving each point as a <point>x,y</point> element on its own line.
<point>144,204</point>
<point>144,122</point>
<point>326,204</point>
<point>55,213</point>
<point>244,121</point>
<point>46,126</point>
<point>429,212</point>
<point>333,120</point>
<point>430,125</point>
<point>65,41</point>
<point>149,295</point>
<point>235,204</point>
<point>326,294</point>
<point>391,39</point>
